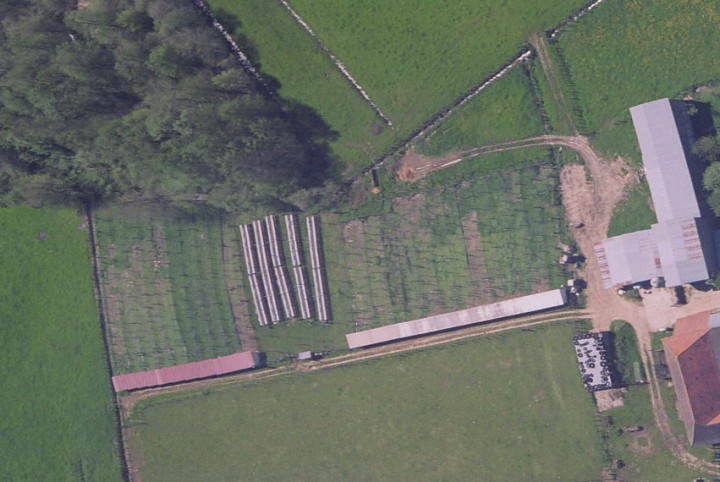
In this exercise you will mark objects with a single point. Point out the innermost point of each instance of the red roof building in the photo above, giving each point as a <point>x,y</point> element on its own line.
<point>188,371</point>
<point>693,357</point>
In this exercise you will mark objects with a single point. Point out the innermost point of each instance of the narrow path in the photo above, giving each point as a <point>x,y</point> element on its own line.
<point>539,43</point>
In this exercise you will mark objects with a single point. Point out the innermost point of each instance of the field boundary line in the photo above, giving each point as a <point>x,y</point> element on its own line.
<point>341,67</point>
<point>440,116</point>
<point>92,234</point>
<point>239,54</point>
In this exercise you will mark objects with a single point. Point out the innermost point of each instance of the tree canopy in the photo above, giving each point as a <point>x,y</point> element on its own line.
<point>101,99</point>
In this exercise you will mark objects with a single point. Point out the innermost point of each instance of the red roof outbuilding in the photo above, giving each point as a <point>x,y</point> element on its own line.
<point>188,371</point>
<point>693,357</point>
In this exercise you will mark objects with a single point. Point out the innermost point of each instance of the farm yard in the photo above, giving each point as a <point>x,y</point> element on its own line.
<point>58,418</point>
<point>491,404</point>
<point>409,76</point>
<point>168,288</point>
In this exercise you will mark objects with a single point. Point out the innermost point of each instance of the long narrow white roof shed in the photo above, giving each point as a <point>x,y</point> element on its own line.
<point>457,319</point>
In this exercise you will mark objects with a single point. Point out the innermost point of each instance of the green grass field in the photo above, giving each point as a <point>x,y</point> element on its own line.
<point>164,282</point>
<point>504,407</point>
<point>627,52</point>
<point>503,112</point>
<point>58,421</point>
<point>634,213</point>
<point>285,52</point>
<point>414,58</point>
<point>412,66</point>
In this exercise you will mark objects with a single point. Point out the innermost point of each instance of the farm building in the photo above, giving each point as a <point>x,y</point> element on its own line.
<point>457,319</point>
<point>693,357</point>
<point>592,357</point>
<point>189,371</point>
<point>679,247</point>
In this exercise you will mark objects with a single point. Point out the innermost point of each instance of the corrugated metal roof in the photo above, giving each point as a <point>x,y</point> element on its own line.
<point>185,372</point>
<point>456,319</point>
<point>678,246</point>
<point>664,160</point>
<point>681,255</point>
<point>628,258</point>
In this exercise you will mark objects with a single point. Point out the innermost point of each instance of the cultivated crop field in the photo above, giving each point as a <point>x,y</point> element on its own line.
<point>484,409</point>
<point>411,76</point>
<point>168,288</point>
<point>472,240</point>
<point>467,236</point>
<point>58,421</point>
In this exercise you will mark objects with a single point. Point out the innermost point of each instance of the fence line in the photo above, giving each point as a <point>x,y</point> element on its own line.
<point>573,18</point>
<point>239,54</point>
<point>443,114</point>
<point>345,72</point>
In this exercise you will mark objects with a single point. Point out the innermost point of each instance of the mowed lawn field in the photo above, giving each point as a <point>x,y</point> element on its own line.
<point>57,417</point>
<point>502,407</point>
<point>412,57</point>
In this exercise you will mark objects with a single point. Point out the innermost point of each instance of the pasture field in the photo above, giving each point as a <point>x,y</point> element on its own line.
<point>411,65</point>
<point>285,52</point>
<point>491,403</point>
<point>504,111</point>
<point>415,58</point>
<point>164,282</point>
<point>464,238</point>
<point>58,419</point>
<point>634,213</point>
<point>627,52</point>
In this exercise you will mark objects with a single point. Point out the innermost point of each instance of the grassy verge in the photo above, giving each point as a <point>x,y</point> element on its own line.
<point>627,356</point>
<point>58,420</point>
<point>491,403</point>
<point>634,212</point>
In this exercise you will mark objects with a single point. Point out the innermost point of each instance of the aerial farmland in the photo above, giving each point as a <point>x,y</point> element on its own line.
<point>469,155</point>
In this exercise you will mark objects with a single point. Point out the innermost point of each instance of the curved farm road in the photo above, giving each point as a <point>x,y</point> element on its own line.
<point>589,197</point>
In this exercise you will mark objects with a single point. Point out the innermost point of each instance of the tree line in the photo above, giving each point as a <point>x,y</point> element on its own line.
<point>125,99</point>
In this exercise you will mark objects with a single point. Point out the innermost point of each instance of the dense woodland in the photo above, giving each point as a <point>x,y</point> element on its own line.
<point>104,99</point>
